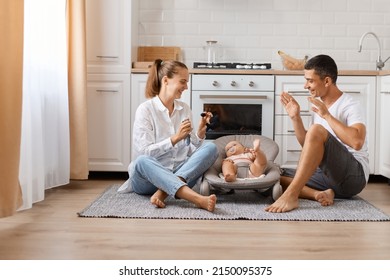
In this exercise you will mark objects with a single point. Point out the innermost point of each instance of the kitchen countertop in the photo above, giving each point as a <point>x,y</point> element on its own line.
<point>271,72</point>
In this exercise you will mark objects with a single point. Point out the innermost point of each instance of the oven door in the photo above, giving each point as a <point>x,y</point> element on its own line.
<point>235,112</point>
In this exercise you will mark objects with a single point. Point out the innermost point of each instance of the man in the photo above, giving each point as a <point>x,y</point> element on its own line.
<point>334,158</point>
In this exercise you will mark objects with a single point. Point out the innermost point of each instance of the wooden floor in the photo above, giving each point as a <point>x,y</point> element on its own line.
<point>52,230</point>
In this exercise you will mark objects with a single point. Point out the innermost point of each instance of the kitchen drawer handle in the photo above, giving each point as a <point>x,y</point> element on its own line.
<point>106,91</point>
<point>215,83</point>
<point>305,111</point>
<point>352,92</point>
<point>251,83</point>
<point>106,56</point>
<point>291,130</point>
<point>385,92</point>
<point>294,151</point>
<point>208,96</point>
<point>298,93</point>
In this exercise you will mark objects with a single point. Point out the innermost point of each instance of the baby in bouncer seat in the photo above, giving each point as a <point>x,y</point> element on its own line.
<point>237,154</point>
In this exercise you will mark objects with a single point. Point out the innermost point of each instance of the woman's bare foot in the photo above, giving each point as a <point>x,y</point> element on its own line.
<point>158,198</point>
<point>285,203</point>
<point>326,197</point>
<point>208,202</point>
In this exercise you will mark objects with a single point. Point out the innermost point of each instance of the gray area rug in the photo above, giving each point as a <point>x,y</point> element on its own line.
<point>242,205</point>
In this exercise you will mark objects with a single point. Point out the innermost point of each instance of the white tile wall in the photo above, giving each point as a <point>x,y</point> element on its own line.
<point>254,30</point>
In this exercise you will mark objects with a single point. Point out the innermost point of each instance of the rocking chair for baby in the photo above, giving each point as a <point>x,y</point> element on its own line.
<point>268,183</point>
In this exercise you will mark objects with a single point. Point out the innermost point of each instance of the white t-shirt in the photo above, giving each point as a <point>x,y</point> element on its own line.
<point>348,110</point>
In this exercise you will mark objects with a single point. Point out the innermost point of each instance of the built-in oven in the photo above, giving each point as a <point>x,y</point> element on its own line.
<point>241,104</point>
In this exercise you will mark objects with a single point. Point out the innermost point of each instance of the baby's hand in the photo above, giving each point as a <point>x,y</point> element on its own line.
<point>252,154</point>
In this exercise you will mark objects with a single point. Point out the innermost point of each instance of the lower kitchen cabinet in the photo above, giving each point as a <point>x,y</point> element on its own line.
<point>108,122</point>
<point>362,88</point>
<point>137,96</point>
<point>289,147</point>
<point>383,127</point>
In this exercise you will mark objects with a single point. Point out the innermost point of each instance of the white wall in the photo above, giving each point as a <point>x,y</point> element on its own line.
<point>254,30</point>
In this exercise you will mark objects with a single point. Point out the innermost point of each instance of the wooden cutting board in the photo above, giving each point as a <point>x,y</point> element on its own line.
<point>152,53</point>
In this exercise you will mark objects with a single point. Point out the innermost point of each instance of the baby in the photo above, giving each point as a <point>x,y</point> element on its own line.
<point>237,153</point>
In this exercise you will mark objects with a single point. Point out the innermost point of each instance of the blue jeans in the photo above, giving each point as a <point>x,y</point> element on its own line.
<point>149,175</point>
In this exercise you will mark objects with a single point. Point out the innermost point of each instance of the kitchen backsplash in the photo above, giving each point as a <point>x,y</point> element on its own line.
<point>254,30</point>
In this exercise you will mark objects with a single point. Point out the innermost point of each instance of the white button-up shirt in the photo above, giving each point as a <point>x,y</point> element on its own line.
<point>153,128</point>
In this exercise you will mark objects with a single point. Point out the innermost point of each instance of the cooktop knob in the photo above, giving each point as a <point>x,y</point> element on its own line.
<point>259,67</point>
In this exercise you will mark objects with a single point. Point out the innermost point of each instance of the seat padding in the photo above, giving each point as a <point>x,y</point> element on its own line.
<point>272,172</point>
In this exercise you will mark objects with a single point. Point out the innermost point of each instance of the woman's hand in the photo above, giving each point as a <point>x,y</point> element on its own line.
<point>204,121</point>
<point>183,132</point>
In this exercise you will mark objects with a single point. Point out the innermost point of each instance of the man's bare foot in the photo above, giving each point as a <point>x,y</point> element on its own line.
<point>285,203</point>
<point>158,198</point>
<point>208,202</point>
<point>326,197</point>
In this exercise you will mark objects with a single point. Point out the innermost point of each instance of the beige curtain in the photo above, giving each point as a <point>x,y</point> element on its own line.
<point>11,87</point>
<point>11,84</point>
<point>77,84</point>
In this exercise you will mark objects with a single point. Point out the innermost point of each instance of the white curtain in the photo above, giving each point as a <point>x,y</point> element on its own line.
<point>44,161</point>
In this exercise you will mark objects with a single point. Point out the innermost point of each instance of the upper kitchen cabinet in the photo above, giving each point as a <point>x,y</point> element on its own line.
<point>109,35</point>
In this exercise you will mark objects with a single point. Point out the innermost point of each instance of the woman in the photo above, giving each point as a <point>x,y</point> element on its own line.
<point>169,156</point>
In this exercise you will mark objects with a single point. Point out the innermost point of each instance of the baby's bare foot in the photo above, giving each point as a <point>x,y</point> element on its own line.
<point>158,198</point>
<point>256,145</point>
<point>230,178</point>
<point>326,197</point>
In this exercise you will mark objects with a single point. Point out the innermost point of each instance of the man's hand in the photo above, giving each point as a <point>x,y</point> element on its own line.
<point>319,107</point>
<point>290,104</point>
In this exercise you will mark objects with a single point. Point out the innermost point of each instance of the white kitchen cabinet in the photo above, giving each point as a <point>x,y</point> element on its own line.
<point>108,122</point>
<point>108,29</point>
<point>138,85</point>
<point>361,87</point>
<point>383,127</point>
<point>111,30</point>
<point>364,89</point>
<point>289,147</point>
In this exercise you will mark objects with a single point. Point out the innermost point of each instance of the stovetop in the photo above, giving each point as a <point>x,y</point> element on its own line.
<point>232,65</point>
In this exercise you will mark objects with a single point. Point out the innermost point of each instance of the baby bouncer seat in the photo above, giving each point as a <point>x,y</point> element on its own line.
<point>268,184</point>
